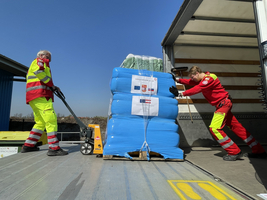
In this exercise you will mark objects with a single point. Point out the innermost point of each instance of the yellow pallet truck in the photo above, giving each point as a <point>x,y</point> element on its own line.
<point>98,144</point>
<point>91,145</point>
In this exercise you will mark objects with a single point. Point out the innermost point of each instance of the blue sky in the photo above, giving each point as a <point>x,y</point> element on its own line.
<point>87,38</point>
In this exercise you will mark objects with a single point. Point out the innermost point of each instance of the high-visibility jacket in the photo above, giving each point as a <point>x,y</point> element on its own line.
<point>39,80</point>
<point>210,87</point>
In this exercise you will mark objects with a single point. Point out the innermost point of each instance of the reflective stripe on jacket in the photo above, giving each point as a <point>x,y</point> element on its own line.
<point>39,80</point>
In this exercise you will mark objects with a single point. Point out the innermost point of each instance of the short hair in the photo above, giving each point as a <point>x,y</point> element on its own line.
<point>43,52</point>
<point>194,70</point>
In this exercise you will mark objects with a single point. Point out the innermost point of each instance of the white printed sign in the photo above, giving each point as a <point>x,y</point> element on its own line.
<point>145,106</point>
<point>7,151</point>
<point>144,85</point>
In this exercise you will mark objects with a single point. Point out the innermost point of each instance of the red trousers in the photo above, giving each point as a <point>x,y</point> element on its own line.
<point>223,116</point>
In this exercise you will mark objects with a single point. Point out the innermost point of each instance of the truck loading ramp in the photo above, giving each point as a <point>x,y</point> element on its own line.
<point>203,175</point>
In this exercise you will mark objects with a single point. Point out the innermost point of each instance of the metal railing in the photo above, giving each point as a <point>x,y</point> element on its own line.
<point>61,136</point>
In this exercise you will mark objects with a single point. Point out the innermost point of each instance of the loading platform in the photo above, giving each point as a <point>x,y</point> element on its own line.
<point>35,175</point>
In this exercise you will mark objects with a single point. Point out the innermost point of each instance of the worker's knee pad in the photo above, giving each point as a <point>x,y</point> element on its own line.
<point>214,131</point>
<point>217,133</point>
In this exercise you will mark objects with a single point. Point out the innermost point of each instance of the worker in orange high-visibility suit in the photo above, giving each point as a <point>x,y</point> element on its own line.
<point>216,95</point>
<point>39,96</point>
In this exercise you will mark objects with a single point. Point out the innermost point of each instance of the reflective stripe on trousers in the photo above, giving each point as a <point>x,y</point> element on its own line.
<point>34,137</point>
<point>228,144</point>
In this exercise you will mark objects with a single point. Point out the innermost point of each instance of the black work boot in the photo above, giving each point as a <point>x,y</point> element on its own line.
<point>232,157</point>
<point>256,155</point>
<point>26,149</point>
<point>59,152</point>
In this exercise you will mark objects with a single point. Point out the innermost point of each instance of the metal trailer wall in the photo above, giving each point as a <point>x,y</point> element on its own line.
<point>260,12</point>
<point>219,36</point>
<point>6,85</point>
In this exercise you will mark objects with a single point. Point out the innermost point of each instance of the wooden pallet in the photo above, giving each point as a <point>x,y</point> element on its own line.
<point>141,156</point>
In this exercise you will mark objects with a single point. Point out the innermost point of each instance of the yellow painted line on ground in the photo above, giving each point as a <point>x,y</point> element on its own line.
<point>180,186</point>
<point>187,189</point>
<point>213,191</point>
<point>176,190</point>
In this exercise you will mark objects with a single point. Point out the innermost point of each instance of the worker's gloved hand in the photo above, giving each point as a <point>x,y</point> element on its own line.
<point>173,77</point>
<point>55,88</point>
<point>174,91</point>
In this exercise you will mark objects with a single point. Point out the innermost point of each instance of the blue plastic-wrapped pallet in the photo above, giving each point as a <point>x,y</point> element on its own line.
<point>143,111</point>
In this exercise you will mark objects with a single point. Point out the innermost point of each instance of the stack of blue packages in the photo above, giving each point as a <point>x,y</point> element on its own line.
<point>143,114</point>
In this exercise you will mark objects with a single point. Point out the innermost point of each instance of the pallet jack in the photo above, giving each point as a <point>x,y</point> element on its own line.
<point>90,145</point>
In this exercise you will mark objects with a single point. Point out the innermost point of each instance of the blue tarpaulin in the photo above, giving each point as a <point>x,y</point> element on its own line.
<point>154,130</point>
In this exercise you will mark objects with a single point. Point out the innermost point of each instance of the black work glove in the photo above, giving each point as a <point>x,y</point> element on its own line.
<point>175,92</point>
<point>173,77</point>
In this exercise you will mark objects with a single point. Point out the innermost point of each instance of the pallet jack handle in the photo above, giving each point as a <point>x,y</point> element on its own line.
<point>86,132</point>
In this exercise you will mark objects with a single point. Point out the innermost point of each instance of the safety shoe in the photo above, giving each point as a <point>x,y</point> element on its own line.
<point>26,149</point>
<point>232,157</point>
<point>59,152</point>
<point>256,155</point>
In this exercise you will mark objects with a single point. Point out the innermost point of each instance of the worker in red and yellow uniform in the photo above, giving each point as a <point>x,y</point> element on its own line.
<point>213,91</point>
<point>39,96</point>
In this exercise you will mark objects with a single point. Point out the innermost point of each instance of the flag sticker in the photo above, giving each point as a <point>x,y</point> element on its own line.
<point>145,101</point>
<point>136,87</point>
